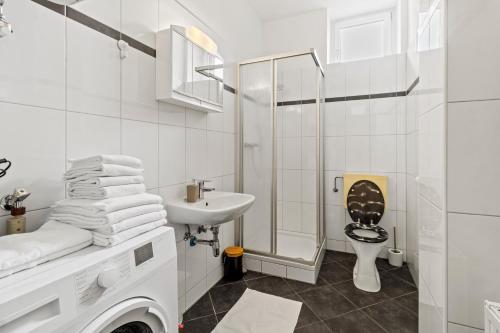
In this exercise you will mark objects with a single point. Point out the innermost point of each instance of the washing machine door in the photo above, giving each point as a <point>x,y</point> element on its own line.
<point>136,315</point>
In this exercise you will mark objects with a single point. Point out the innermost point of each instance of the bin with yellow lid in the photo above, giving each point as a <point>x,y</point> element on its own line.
<point>233,263</point>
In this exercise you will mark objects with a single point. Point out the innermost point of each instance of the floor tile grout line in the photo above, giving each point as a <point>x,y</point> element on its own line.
<point>193,319</point>
<point>213,307</point>
<point>304,303</point>
<point>375,322</point>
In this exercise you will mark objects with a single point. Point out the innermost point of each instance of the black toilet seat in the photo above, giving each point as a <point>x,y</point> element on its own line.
<point>382,234</point>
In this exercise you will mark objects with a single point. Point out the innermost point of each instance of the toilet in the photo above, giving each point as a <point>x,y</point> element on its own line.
<point>365,203</point>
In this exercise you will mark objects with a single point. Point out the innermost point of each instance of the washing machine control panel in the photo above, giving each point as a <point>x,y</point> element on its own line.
<point>97,280</point>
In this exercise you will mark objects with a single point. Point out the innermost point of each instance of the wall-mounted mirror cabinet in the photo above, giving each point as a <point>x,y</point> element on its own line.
<point>189,71</point>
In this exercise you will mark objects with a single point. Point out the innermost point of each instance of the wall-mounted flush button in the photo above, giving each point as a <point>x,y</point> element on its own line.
<point>123,47</point>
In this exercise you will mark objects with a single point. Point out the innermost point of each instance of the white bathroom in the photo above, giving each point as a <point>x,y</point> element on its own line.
<point>249,166</point>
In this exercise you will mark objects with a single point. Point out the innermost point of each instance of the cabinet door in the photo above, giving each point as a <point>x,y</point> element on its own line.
<point>201,82</point>
<point>182,64</point>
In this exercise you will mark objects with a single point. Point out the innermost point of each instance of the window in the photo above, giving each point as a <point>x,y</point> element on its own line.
<point>363,37</point>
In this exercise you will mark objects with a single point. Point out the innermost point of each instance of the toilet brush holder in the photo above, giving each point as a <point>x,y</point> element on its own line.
<point>395,257</point>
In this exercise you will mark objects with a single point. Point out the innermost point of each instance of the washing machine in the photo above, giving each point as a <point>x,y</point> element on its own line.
<point>128,288</point>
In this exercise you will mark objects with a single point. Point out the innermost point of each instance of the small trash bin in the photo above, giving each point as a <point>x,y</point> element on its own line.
<point>233,263</point>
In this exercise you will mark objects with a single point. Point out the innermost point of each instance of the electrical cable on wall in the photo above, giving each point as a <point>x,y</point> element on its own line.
<point>4,166</point>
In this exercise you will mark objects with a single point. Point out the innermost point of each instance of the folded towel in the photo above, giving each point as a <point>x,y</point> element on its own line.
<point>108,181</point>
<point>85,219</point>
<point>104,170</point>
<point>106,159</point>
<point>105,192</point>
<point>111,240</point>
<point>52,240</point>
<point>132,222</point>
<point>102,207</point>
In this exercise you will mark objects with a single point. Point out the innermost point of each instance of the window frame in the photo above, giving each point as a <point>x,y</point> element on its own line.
<point>385,16</point>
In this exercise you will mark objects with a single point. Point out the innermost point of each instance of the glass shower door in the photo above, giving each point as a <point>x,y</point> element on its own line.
<point>256,98</point>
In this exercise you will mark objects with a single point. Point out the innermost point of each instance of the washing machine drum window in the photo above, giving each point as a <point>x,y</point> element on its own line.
<point>136,321</point>
<point>138,315</point>
<point>134,327</point>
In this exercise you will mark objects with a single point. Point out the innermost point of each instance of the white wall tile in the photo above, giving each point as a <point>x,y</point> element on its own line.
<point>470,24</point>
<point>335,119</point>
<point>181,267</point>
<point>172,159</point>
<point>33,59</point>
<point>107,12</point>
<point>215,151</point>
<point>473,157</point>
<point>138,79</point>
<point>229,153</point>
<point>140,139</point>
<point>336,245</point>
<point>357,117</point>
<point>215,121</point>
<point>357,150</point>
<point>196,265</point>
<point>140,20</point>
<point>37,153</point>
<point>93,73</point>
<point>335,217</point>
<point>195,293</point>
<point>472,269</point>
<point>292,153</point>
<point>431,155</point>
<point>292,185</point>
<point>170,114</point>
<point>309,120</point>
<point>90,135</point>
<point>333,198</point>
<point>196,119</point>
<point>383,116</point>
<point>292,117</point>
<point>383,153</point>
<point>335,152</point>
<point>309,218</point>
<point>308,151</point>
<point>383,75</point>
<point>335,80</point>
<point>309,186</point>
<point>292,214</point>
<point>196,154</point>
<point>432,249</point>
<point>229,112</point>
<point>358,78</point>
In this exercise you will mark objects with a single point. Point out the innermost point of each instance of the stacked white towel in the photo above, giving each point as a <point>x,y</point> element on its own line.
<point>52,240</point>
<point>107,196</point>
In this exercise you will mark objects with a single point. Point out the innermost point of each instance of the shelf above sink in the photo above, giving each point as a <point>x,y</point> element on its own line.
<point>215,208</point>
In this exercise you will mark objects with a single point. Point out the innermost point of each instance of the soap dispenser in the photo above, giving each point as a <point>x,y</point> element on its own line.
<point>16,224</point>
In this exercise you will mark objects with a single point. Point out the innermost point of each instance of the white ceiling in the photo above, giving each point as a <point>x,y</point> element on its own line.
<point>274,9</point>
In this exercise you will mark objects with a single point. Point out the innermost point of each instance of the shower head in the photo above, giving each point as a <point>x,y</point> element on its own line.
<point>5,26</point>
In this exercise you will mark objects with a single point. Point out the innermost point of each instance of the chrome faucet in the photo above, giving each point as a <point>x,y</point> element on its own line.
<point>202,188</point>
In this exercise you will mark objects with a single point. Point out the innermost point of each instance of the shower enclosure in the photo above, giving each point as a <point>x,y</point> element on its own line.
<point>280,156</point>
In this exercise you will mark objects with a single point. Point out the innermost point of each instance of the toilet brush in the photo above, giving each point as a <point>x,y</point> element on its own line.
<point>395,255</point>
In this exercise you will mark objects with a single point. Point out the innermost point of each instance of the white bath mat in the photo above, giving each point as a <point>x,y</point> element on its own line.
<point>257,312</point>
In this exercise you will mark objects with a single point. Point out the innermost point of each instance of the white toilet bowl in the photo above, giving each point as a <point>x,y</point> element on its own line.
<point>365,205</point>
<point>365,274</point>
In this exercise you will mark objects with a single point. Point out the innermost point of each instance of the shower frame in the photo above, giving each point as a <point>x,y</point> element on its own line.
<point>320,223</point>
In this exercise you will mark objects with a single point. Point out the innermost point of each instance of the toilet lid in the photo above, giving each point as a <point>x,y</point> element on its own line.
<point>365,202</point>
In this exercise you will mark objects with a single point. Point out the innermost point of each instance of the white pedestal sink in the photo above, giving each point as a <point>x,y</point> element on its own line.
<point>215,208</point>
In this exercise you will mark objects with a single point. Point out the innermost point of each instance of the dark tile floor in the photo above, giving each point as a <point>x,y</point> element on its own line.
<point>332,305</point>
